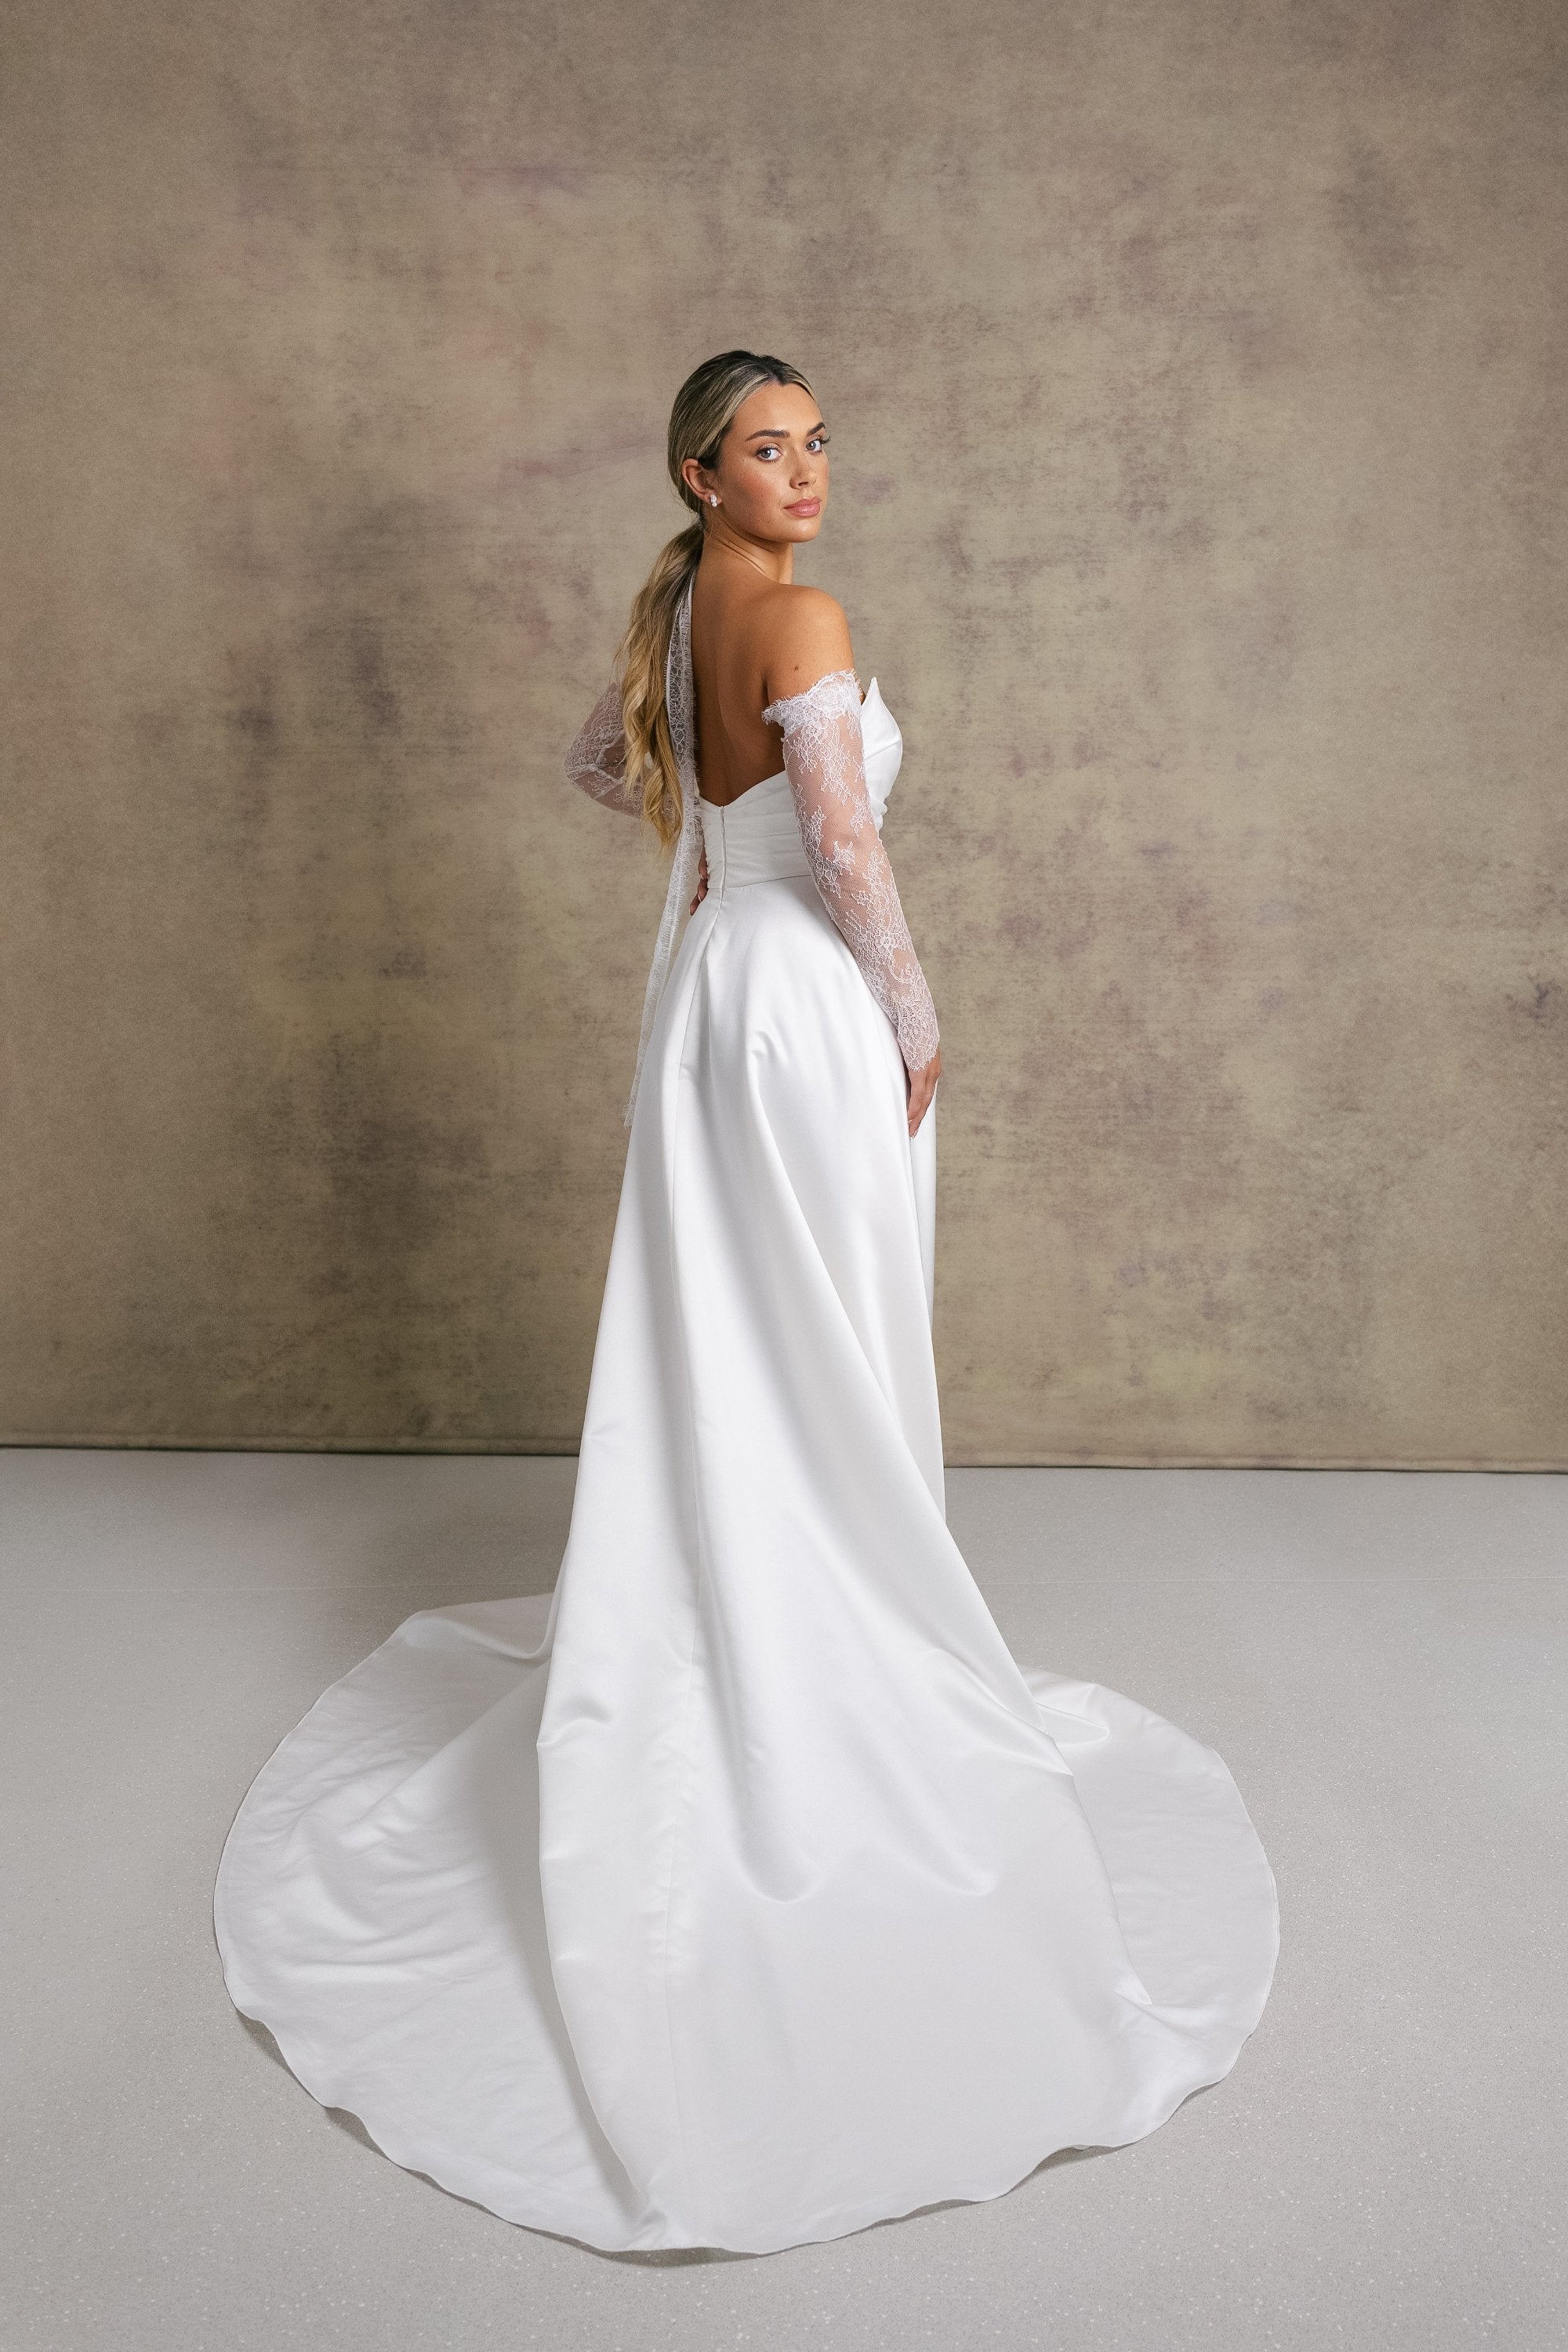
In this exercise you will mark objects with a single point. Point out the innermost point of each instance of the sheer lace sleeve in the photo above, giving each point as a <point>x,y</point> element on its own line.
<point>824,761</point>
<point>597,761</point>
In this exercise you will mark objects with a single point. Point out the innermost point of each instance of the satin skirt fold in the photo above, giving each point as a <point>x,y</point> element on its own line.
<point>748,1891</point>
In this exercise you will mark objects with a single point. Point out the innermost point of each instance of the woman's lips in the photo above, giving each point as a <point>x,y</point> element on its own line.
<point>804,507</point>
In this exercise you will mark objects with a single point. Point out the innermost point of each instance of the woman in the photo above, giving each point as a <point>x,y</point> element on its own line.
<point>748,1892</point>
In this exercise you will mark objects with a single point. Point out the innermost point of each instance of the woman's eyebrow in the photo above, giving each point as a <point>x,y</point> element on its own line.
<point>779,433</point>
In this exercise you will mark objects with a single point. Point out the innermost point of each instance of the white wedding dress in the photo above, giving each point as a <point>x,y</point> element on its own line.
<point>747,1891</point>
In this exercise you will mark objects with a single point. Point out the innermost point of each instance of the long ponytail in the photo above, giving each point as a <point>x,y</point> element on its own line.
<point>703,412</point>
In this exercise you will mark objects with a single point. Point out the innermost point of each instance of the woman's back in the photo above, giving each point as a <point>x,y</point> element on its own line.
<point>753,641</point>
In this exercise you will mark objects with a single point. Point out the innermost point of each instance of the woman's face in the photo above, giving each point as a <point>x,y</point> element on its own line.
<point>772,475</point>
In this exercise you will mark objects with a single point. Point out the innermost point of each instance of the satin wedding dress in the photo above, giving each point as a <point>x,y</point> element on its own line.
<point>747,1891</point>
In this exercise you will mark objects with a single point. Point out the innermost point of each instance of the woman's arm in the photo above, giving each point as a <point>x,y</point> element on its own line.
<point>824,758</point>
<point>596,761</point>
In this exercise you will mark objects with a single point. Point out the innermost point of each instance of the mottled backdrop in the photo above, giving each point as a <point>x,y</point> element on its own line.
<point>1196,373</point>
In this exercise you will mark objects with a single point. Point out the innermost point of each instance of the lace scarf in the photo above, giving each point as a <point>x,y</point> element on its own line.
<point>679,702</point>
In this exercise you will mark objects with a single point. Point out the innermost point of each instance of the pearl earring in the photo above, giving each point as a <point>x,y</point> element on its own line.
<point>713,498</point>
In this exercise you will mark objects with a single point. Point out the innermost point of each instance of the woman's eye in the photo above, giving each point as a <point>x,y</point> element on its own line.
<point>771,449</point>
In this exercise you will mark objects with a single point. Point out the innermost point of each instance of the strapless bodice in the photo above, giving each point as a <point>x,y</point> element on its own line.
<point>756,838</point>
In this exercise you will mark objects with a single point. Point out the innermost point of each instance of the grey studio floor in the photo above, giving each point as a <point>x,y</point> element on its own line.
<point>1379,1657</point>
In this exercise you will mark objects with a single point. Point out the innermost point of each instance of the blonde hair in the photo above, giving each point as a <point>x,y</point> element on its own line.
<point>703,412</point>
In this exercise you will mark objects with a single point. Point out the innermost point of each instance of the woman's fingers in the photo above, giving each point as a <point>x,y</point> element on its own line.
<point>922,1087</point>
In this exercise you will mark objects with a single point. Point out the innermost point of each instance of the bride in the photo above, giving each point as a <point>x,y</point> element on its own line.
<point>747,1891</point>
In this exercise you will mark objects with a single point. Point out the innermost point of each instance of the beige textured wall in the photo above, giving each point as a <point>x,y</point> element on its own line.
<point>1197,378</point>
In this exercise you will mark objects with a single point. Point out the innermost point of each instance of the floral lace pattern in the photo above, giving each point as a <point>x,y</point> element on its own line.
<point>825,762</point>
<point>596,760</point>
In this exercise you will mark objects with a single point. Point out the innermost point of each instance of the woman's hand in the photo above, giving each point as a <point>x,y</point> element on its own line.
<point>923,1085</point>
<point>702,891</point>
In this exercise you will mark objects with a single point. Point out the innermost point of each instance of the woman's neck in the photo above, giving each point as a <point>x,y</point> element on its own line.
<point>775,558</point>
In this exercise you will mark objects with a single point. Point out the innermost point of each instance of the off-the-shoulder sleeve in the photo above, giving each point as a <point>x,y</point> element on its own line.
<point>825,763</point>
<point>596,761</point>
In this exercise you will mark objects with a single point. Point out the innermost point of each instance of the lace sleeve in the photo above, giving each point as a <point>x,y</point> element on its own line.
<point>597,761</point>
<point>824,761</point>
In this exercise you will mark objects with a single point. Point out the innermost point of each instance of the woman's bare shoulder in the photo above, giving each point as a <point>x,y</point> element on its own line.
<point>801,634</point>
